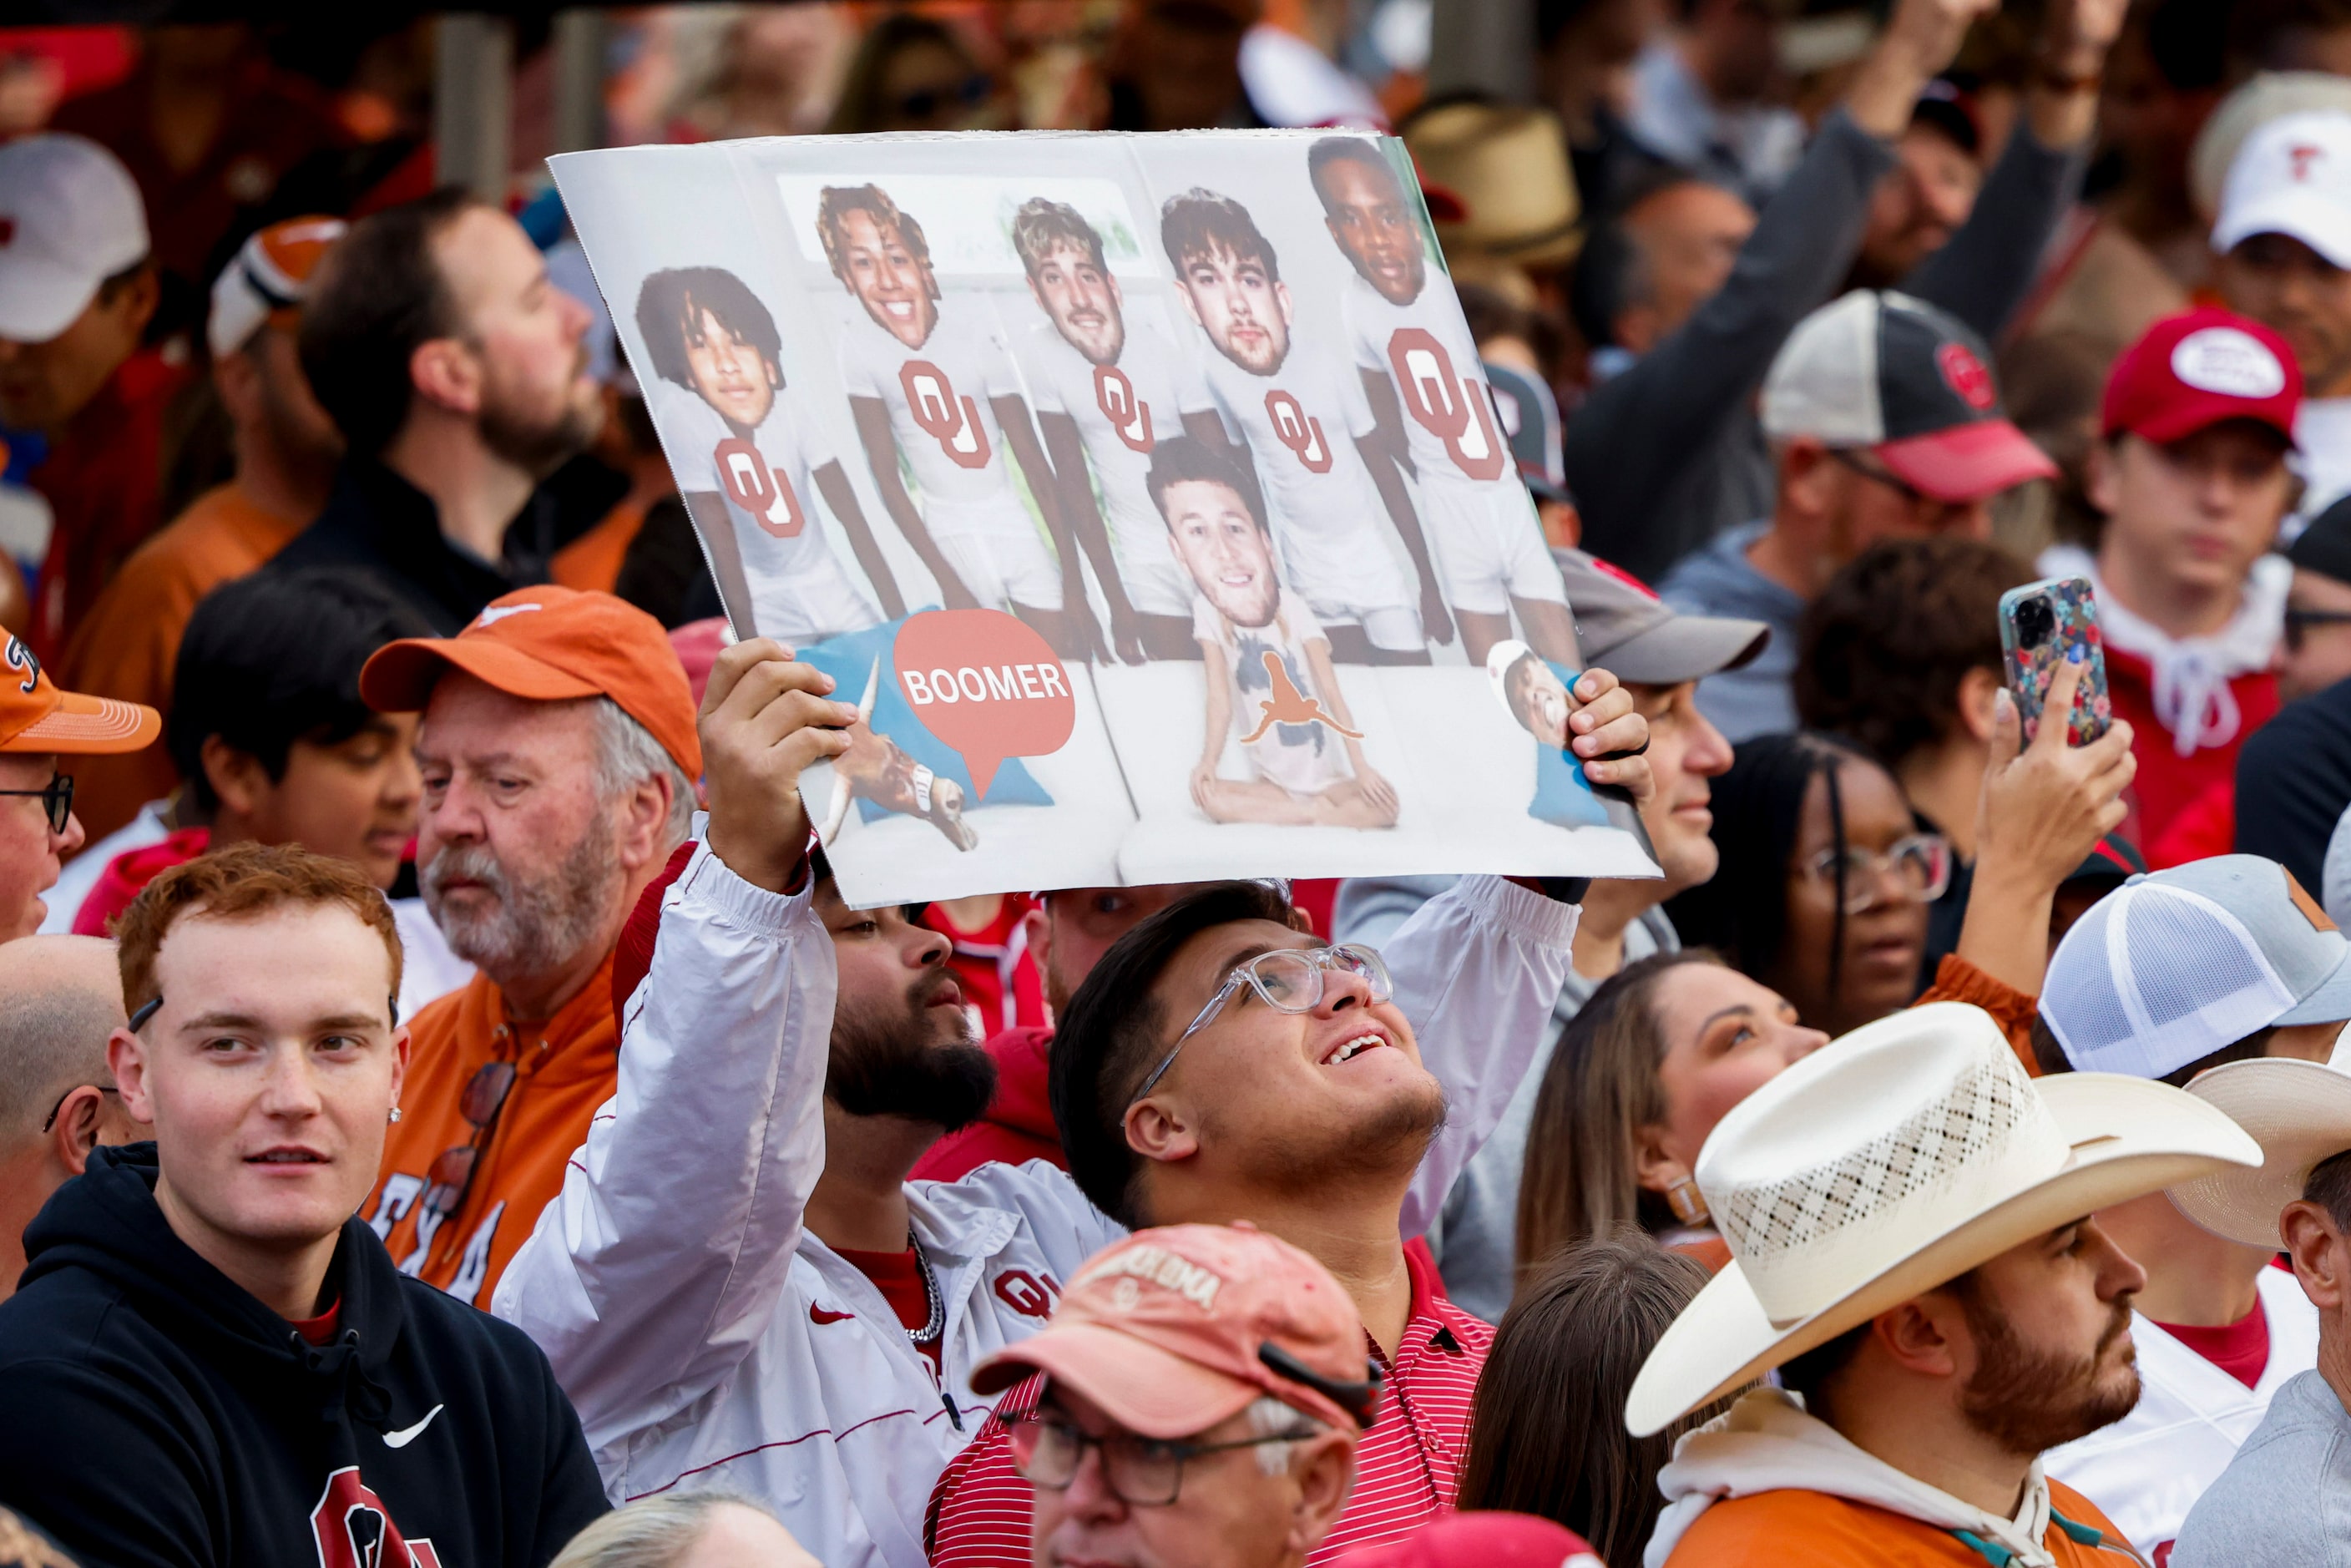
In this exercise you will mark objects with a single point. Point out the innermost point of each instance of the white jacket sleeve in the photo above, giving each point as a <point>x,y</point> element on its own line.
<point>661,1264</point>
<point>1477,970</point>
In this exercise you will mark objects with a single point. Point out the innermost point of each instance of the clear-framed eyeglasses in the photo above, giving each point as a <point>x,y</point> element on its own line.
<point>1147,1472</point>
<point>1288,980</point>
<point>1918,866</point>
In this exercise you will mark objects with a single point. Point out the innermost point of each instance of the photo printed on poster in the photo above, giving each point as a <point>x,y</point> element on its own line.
<point>1145,493</point>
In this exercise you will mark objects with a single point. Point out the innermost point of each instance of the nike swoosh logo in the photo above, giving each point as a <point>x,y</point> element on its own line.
<point>493,613</point>
<point>819,1315</point>
<point>408,1435</point>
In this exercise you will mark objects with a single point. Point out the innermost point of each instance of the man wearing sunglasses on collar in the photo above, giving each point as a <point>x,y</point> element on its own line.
<point>739,1284</point>
<point>40,726</point>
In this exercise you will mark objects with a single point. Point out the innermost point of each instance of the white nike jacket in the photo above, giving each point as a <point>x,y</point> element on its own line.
<point>2147,1470</point>
<point>708,1340</point>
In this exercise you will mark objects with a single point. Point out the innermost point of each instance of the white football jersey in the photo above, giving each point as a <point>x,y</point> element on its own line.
<point>769,485</point>
<point>1301,424</point>
<point>937,396</point>
<point>1449,413</point>
<point>1303,759</point>
<point>1122,411</point>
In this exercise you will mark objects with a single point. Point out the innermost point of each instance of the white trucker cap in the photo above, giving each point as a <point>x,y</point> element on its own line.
<point>70,218</point>
<point>2171,967</point>
<point>2291,177</point>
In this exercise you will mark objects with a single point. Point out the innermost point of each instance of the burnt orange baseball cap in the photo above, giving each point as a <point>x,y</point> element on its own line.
<point>36,716</point>
<point>1176,1329</point>
<point>551,645</point>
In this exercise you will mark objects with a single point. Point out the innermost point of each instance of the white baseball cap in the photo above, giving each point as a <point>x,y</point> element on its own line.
<point>2291,177</point>
<point>70,218</point>
<point>2169,968</point>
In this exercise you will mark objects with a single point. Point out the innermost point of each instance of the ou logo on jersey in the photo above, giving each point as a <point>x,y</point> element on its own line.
<point>354,1529</point>
<point>950,421</point>
<point>761,490</point>
<point>1294,430</point>
<point>1453,409</point>
<point>1128,414</point>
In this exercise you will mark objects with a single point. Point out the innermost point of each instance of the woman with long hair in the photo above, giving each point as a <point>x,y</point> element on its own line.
<point>1547,1425</point>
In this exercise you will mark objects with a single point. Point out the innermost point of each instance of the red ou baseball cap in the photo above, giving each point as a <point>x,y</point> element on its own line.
<point>2190,371</point>
<point>36,717</point>
<point>551,645</point>
<point>1493,1539</point>
<point>1176,1329</point>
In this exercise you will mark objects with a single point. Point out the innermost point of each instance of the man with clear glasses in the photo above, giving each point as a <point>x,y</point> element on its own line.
<point>739,1285</point>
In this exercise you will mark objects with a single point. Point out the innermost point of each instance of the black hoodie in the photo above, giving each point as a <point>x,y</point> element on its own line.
<point>154,1413</point>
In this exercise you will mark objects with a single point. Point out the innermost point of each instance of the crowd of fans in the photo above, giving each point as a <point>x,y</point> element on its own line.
<point>448,1112</point>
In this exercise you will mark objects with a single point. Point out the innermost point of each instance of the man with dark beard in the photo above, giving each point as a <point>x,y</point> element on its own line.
<point>458,376</point>
<point>1917,1248</point>
<point>559,755</point>
<point>740,1286</point>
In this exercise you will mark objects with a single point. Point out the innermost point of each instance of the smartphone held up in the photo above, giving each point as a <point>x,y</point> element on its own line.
<point>2047,624</point>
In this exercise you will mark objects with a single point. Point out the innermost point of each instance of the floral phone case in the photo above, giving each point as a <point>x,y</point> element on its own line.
<point>2041,626</point>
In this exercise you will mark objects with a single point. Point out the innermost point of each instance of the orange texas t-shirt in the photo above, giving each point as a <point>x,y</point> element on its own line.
<point>1774,1529</point>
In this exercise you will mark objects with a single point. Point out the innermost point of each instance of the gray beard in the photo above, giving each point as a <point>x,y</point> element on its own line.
<point>531,927</point>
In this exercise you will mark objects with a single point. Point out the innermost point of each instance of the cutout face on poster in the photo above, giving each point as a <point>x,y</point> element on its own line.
<point>1146,492</point>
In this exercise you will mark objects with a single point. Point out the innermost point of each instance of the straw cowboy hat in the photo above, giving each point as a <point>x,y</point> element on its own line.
<point>1498,181</point>
<point>2298,1111</point>
<point>1895,1160</point>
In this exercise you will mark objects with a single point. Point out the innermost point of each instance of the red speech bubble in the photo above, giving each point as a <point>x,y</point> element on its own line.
<point>986,683</point>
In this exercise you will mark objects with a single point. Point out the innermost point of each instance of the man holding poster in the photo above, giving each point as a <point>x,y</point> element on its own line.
<point>1308,425</point>
<point>936,392</point>
<point>1107,394</point>
<point>710,334</point>
<point>1437,419</point>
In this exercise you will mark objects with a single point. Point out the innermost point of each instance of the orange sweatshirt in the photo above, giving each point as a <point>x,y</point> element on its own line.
<point>564,1069</point>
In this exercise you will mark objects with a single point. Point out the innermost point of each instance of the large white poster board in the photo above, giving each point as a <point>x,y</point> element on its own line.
<point>1146,490</point>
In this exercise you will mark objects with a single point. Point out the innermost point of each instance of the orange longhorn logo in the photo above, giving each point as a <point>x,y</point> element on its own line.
<point>1287,704</point>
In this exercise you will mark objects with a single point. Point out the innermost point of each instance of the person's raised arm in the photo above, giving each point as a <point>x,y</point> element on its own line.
<point>1990,265</point>
<point>1478,968</point>
<point>2043,809</point>
<point>1636,431</point>
<point>662,1261</point>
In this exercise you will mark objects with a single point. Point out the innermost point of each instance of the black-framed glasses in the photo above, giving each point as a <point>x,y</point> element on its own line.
<point>51,1119</point>
<point>1289,980</point>
<point>56,798</point>
<point>452,1175</point>
<point>2300,623</point>
<point>1146,1472</point>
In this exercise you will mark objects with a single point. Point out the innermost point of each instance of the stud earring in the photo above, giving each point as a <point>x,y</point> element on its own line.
<point>1687,1203</point>
<point>394,1114</point>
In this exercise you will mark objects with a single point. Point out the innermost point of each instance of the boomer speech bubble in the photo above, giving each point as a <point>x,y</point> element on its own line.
<point>987,684</point>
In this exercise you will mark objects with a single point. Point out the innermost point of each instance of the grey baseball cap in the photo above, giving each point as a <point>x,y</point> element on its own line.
<point>2172,966</point>
<point>1622,626</point>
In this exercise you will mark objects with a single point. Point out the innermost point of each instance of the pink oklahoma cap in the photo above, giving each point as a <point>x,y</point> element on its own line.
<point>1484,1540</point>
<point>2192,371</point>
<point>1176,1329</point>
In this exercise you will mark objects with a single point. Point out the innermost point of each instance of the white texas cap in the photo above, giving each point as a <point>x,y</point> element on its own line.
<point>2291,177</point>
<point>70,218</point>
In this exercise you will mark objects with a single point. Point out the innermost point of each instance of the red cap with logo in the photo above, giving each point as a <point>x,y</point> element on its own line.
<point>2191,372</point>
<point>551,645</point>
<point>38,718</point>
<point>1176,1329</point>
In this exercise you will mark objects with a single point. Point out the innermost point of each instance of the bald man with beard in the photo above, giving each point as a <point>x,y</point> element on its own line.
<point>60,998</point>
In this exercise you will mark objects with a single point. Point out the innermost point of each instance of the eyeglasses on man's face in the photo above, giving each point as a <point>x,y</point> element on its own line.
<point>1289,980</point>
<point>1145,1472</point>
<point>56,798</point>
